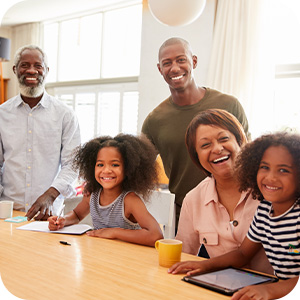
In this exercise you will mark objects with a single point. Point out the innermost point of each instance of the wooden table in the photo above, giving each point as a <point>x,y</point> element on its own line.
<point>34,265</point>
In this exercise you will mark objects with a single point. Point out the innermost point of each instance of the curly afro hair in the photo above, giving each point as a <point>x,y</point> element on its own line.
<point>139,156</point>
<point>248,160</point>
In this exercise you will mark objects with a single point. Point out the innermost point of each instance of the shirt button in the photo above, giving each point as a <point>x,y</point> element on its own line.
<point>204,241</point>
<point>235,223</point>
<point>29,150</point>
<point>29,131</point>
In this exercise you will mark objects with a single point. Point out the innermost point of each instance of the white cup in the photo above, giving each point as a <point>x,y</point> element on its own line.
<point>6,209</point>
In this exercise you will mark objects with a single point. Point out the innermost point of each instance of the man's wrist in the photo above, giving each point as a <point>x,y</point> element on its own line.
<point>52,192</point>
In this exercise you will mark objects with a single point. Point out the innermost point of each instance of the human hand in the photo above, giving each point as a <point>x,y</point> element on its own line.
<point>56,223</point>
<point>189,267</point>
<point>253,292</point>
<point>43,205</point>
<point>106,233</point>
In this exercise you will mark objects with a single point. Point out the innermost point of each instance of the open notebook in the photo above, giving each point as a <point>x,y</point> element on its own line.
<point>43,227</point>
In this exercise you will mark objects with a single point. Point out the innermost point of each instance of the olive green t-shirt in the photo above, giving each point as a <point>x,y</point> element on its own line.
<point>166,126</point>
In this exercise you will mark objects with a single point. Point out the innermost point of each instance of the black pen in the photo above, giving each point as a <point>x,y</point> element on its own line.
<point>65,243</point>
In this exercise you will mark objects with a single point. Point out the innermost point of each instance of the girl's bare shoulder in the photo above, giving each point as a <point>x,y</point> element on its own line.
<point>131,196</point>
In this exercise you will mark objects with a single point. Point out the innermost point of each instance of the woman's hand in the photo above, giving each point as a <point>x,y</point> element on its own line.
<point>189,267</point>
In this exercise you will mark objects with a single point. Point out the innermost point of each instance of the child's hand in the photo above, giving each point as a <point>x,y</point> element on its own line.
<point>55,224</point>
<point>191,267</point>
<point>106,233</point>
<point>252,292</point>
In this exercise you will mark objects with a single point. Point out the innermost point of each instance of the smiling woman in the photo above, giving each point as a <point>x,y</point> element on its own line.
<point>217,149</point>
<point>215,213</point>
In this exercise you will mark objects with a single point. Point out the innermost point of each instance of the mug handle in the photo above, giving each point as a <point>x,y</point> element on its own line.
<point>156,245</point>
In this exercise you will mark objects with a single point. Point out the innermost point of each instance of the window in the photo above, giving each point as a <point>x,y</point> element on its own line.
<point>105,109</point>
<point>101,45</point>
<point>121,41</point>
<point>94,65</point>
<point>79,48</point>
<point>286,21</point>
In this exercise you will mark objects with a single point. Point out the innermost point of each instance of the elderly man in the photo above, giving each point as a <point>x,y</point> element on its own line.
<point>37,136</point>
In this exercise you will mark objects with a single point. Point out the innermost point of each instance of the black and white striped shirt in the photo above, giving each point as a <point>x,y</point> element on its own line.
<point>280,237</point>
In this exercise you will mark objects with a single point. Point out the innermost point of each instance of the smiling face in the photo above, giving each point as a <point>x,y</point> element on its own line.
<point>176,64</point>
<point>109,169</point>
<point>31,72</point>
<point>217,149</point>
<point>277,178</point>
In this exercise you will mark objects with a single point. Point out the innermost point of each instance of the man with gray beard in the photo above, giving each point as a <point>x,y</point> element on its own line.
<point>38,134</point>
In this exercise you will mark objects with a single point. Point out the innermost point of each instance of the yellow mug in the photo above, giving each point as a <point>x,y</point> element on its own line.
<point>169,252</point>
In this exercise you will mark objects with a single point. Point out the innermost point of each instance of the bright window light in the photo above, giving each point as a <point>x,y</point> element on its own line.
<point>85,110</point>
<point>286,24</point>
<point>99,49</point>
<point>122,40</point>
<point>109,113</point>
<point>130,112</point>
<point>102,110</point>
<point>286,21</point>
<point>51,44</point>
<point>80,48</point>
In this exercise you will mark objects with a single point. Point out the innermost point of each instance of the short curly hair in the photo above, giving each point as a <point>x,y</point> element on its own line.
<point>19,52</point>
<point>139,156</point>
<point>248,160</point>
<point>213,117</point>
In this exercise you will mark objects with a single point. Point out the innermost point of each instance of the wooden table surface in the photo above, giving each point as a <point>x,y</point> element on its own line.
<point>34,265</point>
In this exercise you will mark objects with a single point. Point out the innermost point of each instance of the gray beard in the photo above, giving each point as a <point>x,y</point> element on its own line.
<point>31,92</point>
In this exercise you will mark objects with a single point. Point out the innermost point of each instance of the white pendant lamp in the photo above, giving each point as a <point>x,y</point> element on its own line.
<point>176,12</point>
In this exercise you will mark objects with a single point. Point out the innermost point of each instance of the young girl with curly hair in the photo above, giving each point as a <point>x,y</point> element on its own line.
<point>118,172</point>
<point>270,167</point>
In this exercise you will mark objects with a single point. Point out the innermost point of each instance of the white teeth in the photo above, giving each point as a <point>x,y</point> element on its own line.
<point>30,78</point>
<point>178,77</point>
<point>221,158</point>
<point>107,178</point>
<point>272,187</point>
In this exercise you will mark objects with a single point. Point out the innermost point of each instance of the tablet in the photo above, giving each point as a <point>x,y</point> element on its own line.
<point>229,280</point>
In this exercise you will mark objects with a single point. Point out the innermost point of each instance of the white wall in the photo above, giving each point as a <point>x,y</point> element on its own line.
<point>153,89</point>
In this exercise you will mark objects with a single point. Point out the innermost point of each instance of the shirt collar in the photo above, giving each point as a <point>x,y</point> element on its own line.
<point>18,101</point>
<point>45,101</point>
<point>212,194</point>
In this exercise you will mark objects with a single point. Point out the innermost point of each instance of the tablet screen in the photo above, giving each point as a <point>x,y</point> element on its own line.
<point>228,280</point>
